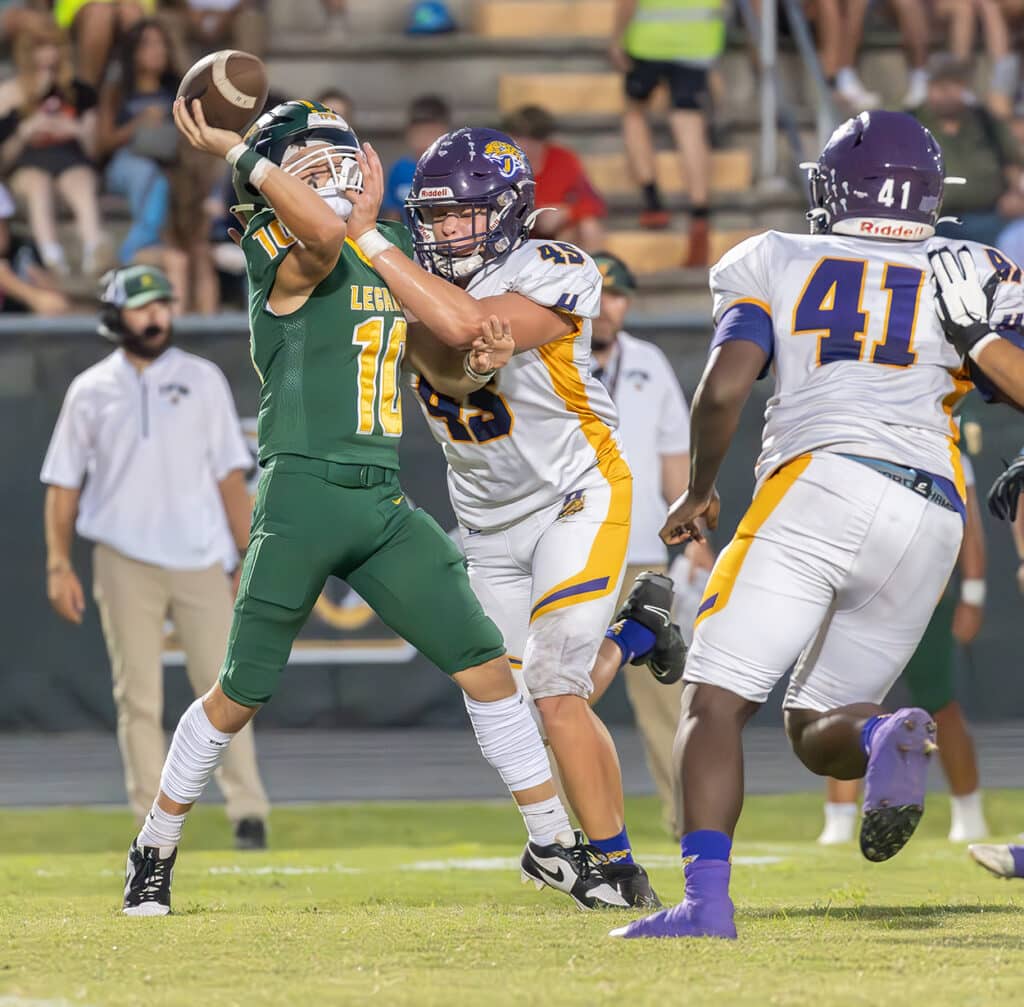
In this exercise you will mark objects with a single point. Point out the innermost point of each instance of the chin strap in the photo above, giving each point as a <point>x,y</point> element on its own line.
<point>532,218</point>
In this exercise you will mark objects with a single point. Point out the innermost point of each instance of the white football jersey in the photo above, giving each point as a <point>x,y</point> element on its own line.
<point>517,448</point>
<point>860,361</point>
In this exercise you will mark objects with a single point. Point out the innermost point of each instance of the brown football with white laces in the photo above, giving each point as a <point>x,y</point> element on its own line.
<point>231,87</point>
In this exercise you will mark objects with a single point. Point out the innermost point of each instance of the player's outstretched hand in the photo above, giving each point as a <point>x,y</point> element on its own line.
<point>366,204</point>
<point>193,125</point>
<point>1005,492</point>
<point>494,347</point>
<point>681,524</point>
<point>961,302</point>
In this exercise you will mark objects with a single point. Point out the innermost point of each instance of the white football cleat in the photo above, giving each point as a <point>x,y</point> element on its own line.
<point>997,860</point>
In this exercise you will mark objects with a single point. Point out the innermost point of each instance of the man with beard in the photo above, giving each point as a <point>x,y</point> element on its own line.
<point>153,434</point>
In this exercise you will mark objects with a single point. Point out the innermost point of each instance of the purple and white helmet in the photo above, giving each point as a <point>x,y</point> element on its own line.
<point>881,175</point>
<point>471,167</point>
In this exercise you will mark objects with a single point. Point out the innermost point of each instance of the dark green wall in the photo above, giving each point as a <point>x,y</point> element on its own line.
<point>54,676</point>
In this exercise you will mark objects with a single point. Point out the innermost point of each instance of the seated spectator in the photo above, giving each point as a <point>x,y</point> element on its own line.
<point>136,131</point>
<point>338,102</point>
<point>977,147</point>
<point>913,21</point>
<point>209,25</point>
<point>576,210</point>
<point>963,17</point>
<point>47,132</point>
<point>24,284</point>
<point>429,118</point>
<point>95,25</point>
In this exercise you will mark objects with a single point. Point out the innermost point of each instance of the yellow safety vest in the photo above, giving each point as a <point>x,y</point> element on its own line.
<point>679,31</point>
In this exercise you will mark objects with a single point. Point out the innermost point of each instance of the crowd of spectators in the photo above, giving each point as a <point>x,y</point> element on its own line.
<point>86,131</point>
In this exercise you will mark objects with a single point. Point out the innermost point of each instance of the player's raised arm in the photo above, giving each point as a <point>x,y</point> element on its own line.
<point>964,307</point>
<point>319,232</point>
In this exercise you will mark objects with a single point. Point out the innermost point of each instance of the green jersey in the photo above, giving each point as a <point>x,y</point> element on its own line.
<point>329,371</point>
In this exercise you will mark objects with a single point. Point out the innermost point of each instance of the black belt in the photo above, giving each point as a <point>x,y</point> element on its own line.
<point>336,473</point>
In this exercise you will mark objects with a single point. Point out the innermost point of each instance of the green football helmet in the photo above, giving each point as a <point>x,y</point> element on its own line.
<point>282,133</point>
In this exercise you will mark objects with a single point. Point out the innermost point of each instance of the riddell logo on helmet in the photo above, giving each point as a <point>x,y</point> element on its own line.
<point>894,229</point>
<point>438,192</point>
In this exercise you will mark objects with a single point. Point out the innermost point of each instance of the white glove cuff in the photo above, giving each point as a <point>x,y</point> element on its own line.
<point>976,349</point>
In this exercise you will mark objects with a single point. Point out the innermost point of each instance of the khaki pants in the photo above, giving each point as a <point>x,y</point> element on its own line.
<point>656,710</point>
<point>134,599</point>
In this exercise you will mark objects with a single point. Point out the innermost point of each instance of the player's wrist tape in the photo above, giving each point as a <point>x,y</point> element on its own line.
<point>976,349</point>
<point>251,167</point>
<point>482,377</point>
<point>972,591</point>
<point>373,243</point>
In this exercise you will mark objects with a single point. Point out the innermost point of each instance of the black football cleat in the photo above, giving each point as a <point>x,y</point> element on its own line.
<point>650,604</point>
<point>633,885</point>
<point>147,888</point>
<point>572,866</point>
<point>251,834</point>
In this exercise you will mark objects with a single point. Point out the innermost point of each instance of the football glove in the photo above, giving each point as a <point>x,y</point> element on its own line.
<point>961,302</point>
<point>1006,490</point>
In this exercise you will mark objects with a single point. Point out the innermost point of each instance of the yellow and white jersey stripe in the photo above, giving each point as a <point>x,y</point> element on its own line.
<point>516,449</point>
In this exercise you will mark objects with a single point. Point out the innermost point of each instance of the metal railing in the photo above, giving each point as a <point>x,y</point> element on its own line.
<point>776,109</point>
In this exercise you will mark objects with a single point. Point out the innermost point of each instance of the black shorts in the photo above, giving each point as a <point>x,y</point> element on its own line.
<point>688,85</point>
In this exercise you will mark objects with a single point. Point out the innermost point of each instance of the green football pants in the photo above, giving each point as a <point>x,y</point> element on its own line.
<point>315,518</point>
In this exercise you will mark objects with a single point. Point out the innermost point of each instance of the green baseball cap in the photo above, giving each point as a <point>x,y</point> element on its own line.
<point>617,276</point>
<point>135,286</point>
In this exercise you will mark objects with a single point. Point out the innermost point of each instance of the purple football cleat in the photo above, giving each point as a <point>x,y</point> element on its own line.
<point>895,782</point>
<point>706,910</point>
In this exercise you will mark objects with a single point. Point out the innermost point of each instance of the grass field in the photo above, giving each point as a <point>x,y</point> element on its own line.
<point>419,904</point>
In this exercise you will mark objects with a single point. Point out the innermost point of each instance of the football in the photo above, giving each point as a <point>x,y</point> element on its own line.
<point>231,85</point>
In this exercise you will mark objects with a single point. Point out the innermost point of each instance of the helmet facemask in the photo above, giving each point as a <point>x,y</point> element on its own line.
<point>461,257</point>
<point>339,160</point>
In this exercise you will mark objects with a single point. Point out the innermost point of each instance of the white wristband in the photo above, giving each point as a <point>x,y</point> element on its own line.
<point>373,243</point>
<point>976,349</point>
<point>480,378</point>
<point>972,592</point>
<point>235,153</point>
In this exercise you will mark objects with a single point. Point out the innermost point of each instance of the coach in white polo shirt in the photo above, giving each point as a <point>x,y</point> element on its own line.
<point>152,433</point>
<point>654,425</point>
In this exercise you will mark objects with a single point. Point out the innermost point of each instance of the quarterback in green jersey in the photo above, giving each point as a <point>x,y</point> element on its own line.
<point>328,341</point>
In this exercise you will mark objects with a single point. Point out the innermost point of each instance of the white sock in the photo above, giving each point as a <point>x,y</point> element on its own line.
<point>196,750</point>
<point>545,820</point>
<point>918,77</point>
<point>847,79</point>
<point>51,252</point>
<point>839,811</point>
<point>161,828</point>
<point>840,822</point>
<point>967,817</point>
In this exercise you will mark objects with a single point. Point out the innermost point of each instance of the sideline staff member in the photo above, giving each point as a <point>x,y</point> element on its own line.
<point>152,432</point>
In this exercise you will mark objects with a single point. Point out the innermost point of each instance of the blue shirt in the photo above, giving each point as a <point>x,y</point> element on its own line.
<point>398,184</point>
